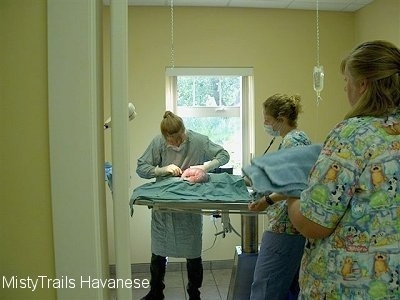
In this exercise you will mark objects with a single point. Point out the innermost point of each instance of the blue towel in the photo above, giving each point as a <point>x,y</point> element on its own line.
<point>108,174</point>
<point>221,187</point>
<point>285,171</point>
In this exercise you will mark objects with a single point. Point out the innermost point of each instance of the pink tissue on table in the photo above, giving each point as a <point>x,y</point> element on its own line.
<point>195,175</point>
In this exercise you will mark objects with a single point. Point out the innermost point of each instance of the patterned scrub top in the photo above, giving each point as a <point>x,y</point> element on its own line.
<point>277,214</point>
<point>354,188</point>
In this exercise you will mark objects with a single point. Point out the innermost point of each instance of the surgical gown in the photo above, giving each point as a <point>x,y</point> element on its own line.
<point>178,234</point>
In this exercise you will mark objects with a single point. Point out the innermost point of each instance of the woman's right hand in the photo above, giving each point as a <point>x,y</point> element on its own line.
<point>171,169</point>
<point>174,170</point>
<point>258,205</point>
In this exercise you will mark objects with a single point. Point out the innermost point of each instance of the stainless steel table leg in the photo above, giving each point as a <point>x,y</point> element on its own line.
<point>249,233</point>
<point>245,259</point>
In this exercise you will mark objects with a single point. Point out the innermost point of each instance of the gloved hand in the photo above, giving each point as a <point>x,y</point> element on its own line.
<point>208,166</point>
<point>168,170</point>
<point>201,167</point>
<point>247,181</point>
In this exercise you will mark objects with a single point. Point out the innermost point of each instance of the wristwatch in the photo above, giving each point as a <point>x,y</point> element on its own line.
<point>269,200</point>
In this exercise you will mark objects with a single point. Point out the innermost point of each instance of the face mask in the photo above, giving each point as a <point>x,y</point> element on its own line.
<point>270,130</point>
<point>175,148</point>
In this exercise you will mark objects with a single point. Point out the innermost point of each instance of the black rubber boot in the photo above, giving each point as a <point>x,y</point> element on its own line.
<point>157,271</point>
<point>195,277</point>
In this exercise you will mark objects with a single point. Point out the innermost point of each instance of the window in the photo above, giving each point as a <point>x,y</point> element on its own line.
<point>217,102</point>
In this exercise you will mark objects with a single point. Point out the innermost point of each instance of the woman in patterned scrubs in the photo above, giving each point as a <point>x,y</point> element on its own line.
<point>350,211</point>
<point>278,261</point>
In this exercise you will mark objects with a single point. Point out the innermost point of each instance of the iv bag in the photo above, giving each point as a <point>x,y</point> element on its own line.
<point>318,78</point>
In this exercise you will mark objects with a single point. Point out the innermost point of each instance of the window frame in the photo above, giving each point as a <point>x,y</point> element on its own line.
<point>245,111</point>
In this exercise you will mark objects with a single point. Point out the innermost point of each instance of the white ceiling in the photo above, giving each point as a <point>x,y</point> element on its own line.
<point>332,5</point>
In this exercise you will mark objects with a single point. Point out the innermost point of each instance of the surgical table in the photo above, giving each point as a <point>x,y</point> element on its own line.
<point>206,198</point>
<point>267,173</point>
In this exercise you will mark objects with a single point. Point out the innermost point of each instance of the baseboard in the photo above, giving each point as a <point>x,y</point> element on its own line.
<point>180,266</point>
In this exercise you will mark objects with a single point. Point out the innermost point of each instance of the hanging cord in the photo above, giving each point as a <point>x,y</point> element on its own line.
<point>318,90</point>
<point>318,73</point>
<point>215,237</point>
<point>317,25</point>
<point>172,36</point>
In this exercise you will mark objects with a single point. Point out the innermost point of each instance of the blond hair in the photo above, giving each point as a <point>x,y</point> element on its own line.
<point>377,62</point>
<point>282,105</point>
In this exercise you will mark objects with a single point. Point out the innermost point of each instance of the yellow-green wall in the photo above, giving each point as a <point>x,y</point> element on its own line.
<point>25,204</point>
<point>279,44</point>
<point>379,21</point>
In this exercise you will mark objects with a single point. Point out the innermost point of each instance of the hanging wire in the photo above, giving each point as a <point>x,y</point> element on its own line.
<point>318,73</point>
<point>172,36</point>
<point>317,26</point>
<point>215,237</point>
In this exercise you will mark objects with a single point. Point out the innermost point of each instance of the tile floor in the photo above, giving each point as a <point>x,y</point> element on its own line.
<point>217,276</point>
